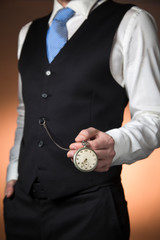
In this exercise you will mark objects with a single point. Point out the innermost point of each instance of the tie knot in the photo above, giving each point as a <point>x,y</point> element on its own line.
<point>64,14</point>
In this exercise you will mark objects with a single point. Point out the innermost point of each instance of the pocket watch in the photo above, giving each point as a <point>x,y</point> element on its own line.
<point>85,159</point>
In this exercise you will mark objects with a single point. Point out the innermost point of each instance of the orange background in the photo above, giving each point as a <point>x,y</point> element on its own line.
<point>141,180</point>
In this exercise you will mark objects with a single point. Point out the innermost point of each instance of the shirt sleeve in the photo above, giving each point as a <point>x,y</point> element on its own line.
<point>135,66</point>
<point>12,170</point>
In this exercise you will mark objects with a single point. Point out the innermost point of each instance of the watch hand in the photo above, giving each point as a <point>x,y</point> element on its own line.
<point>85,160</point>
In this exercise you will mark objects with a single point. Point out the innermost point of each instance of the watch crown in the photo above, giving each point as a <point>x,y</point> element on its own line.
<point>85,144</point>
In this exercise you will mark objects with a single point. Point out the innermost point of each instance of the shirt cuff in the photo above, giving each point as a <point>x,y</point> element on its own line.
<point>12,171</point>
<point>121,147</point>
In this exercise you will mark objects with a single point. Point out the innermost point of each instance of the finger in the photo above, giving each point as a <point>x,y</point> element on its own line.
<point>102,154</point>
<point>71,153</point>
<point>86,134</point>
<point>103,166</point>
<point>94,144</point>
<point>100,170</point>
<point>97,144</point>
<point>9,191</point>
<point>107,154</point>
<point>103,163</point>
<point>75,146</point>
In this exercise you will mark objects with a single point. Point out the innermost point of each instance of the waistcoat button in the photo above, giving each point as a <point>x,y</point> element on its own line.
<point>41,121</point>
<point>40,144</point>
<point>48,73</point>
<point>44,95</point>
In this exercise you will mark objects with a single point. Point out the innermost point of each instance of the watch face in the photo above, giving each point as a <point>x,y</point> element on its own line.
<point>85,160</point>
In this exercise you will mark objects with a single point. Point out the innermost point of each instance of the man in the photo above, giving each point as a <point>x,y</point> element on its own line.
<point>79,94</point>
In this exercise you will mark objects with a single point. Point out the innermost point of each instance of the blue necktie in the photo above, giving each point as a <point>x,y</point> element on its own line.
<point>57,34</point>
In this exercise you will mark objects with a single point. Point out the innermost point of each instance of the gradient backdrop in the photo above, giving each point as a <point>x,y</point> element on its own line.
<point>141,180</point>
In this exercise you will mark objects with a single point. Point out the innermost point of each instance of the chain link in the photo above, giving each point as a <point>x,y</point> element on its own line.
<point>47,131</point>
<point>43,123</point>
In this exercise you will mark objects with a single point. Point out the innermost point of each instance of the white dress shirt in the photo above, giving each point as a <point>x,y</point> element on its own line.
<point>134,64</point>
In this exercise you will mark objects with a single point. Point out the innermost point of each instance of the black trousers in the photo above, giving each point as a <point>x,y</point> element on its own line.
<point>97,213</point>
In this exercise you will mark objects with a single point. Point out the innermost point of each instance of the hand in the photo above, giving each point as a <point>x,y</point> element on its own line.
<point>9,190</point>
<point>100,142</point>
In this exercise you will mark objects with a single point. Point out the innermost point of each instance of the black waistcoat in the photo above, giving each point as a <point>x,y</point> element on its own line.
<point>74,92</point>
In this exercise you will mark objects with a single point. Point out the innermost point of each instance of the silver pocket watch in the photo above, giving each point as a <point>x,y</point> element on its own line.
<point>85,159</point>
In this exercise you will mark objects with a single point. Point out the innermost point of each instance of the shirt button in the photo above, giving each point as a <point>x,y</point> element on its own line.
<point>44,95</point>
<point>48,73</point>
<point>40,144</point>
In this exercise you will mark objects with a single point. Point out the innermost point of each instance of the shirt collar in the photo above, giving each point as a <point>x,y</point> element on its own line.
<point>81,7</point>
